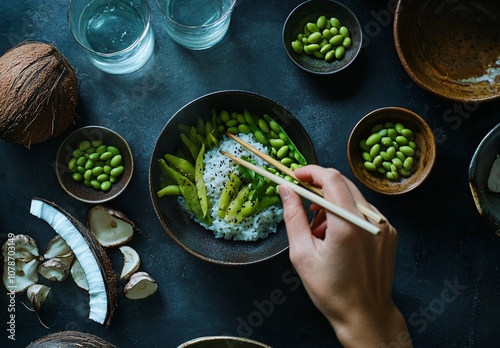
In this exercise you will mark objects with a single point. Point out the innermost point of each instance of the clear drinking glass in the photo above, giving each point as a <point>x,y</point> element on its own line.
<point>197,24</point>
<point>116,34</point>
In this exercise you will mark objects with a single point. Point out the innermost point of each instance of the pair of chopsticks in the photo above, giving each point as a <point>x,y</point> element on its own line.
<point>309,191</point>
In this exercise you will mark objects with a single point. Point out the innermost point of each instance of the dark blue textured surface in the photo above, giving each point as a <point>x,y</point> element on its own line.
<point>447,276</point>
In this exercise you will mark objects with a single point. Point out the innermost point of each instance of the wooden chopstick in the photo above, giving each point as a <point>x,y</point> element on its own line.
<point>355,219</point>
<point>285,170</point>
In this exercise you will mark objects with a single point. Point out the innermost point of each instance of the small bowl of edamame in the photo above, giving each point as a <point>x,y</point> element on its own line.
<point>391,150</point>
<point>94,164</point>
<point>322,36</point>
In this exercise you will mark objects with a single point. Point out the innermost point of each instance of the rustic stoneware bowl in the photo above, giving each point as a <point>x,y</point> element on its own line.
<point>222,341</point>
<point>77,189</point>
<point>424,156</point>
<point>187,233</point>
<point>451,48</point>
<point>309,11</point>
<point>487,202</point>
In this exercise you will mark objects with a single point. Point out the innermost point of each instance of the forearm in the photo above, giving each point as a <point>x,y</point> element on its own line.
<point>389,330</point>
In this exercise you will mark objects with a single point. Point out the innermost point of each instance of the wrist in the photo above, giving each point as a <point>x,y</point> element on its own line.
<point>382,330</point>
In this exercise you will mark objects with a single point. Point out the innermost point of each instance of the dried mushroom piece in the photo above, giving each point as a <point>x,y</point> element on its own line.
<point>70,339</point>
<point>79,275</point>
<point>24,247</point>
<point>54,269</point>
<point>37,294</point>
<point>57,247</point>
<point>140,286</point>
<point>18,275</point>
<point>131,262</point>
<point>92,257</point>
<point>111,227</point>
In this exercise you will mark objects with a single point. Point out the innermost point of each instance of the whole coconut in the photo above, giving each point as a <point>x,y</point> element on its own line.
<point>38,93</point>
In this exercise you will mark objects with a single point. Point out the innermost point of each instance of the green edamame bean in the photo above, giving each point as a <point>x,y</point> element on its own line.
<point>282,152</point>
<point>377,161</point>
<point>232,123</point>
<point>72,164</point>
<point>366,156</point>
<point>404,172</point>
<point>334,31</point>
<point>382,132</point>
<point>224,116</point>
<point>321,22</point>
<point>287,161</point>
<point>96,171</point>
<point>369,166</point>
<point>276,143</point>
<point>96,143</point>
<point>84,145</point>
<point>391,133</point>
<point>407,150</point>
<point>377,128</point>
<point>240,118</point>
<point>391,151</point>
<point>106,156</point>
<point>81,161</point>
<point>373,139</point>
<point>412,144</point>
<point>336,40</point>
<point>329,55</point>
<point>325,48</point>
<point>344,31</point>
<point>401,140</point>
<point>386,141</point>
<point>244,128</point>
<point>327,34</point>
<point>88,174</point>
<point>80,169</point>
<point>312,27</point>
<point>102,177</point>
<point>101,149</point>
<point>374,151</point>
<point>115,161</point>
<point>408,163</point>
<point>233,130</point>
<point>315,37</point>
<point>89,164</point>
<point>115,172</point>
<point>400,155</point>
<point>347,42</point>
<point>106,185</point>
<point>318,54</point>
<point>391,175</point>
<point>95,184</point>
<point>114,150</point>
<point>407,133</point>
<point>397,162</point>
<point>106,169</point>
<point>334,22</point>
<point>262,124</point>
<point>399,127</point>
<point>94,156</point>
<point>386,165</point>
<point>77,153</point>
<point>77,176</point>
<point>297,46</point>
<point>363,146</point>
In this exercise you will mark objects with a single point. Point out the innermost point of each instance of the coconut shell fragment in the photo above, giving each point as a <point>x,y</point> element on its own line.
<point>39,92</point>
<point>70,339</point>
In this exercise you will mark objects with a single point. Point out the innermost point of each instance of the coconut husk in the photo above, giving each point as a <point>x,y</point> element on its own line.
<point>70,339</point>
<point>39,92</point>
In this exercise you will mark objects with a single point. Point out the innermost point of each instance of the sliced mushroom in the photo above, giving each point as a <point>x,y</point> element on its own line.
<point>19,275</point>
<point>54,269</point>
<point>93,259</point>
<point>111,227</point>
<point>79,275</point>
<point>57,247</point>
<point>37,294</point>
<point>22,247</point>
<point>131,262</point>
<point>140,286</point>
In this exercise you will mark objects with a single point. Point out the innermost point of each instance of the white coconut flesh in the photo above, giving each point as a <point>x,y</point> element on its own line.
<point>64,227</point>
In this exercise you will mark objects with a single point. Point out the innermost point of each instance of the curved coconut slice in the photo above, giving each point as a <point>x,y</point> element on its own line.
<point>111,227</point>
<point>54,269</point>
<point>131,262</point>
<point>92,257</point>
<point>24,247</point>
<point>37,294</point>
<point>140,285</point>
<point>70,339</point>
<point>79,275</point>
<point>19,275</point>
<point>57,247</point>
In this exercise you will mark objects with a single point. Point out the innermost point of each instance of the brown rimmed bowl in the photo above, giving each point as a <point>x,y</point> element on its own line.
<point>451,48</point>
<point>77,189</point>
<point>187,233</point>
<point>222,341</point>
<point>424,156</point>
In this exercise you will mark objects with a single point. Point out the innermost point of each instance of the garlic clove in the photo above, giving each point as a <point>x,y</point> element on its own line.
<point>111,227</point>
<point>140,286</point>
<point>131,262</point>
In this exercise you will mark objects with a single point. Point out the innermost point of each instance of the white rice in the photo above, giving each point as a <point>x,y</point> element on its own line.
<point>217,170</point>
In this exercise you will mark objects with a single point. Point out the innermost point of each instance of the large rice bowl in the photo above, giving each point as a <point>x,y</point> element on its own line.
<point>216,174</point>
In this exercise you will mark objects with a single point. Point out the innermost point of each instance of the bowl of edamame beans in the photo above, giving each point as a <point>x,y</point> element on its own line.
<point>450,48</point>
<point>322,36</point>
<point>94,164</point>
<point>391,150</point>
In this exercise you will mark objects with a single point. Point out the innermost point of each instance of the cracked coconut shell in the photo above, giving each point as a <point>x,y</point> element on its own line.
<point>39,93</point>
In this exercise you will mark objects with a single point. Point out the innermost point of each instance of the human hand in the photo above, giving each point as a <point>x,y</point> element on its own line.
<point>347,272</point>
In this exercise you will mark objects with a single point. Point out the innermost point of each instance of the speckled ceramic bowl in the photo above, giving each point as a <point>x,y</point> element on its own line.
<point>77,189</point>
<point>186,232</point>
<point>309,11</point>
<point>424,156</point>
<point>487,202</point>
<point>451,48</point>
<point>222,341</point>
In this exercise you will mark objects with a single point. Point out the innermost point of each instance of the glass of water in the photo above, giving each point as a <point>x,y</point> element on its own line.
<point>197,24</point>
<point>116,34</point>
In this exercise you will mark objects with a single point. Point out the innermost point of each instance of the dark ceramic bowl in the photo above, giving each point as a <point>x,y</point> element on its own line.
<point>487,202</point>
<point>222,341</point>
<point>424,156</point>
<point>451,48</point>
<point>309,11</point>
<point>186,232</point>
<point>77,189</point>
